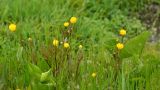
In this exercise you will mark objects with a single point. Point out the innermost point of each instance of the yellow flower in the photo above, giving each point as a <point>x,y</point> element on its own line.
<point>12,27</point>
<point>94,75</point>
<point>55,42</point>
<point>120,46</point>
<point>122,32</point>
<point>66,24</point>
<point>80,46</point>
<point>18,89</point>
<point>73,20</point>
<point>66,45</point>
<point>29,39</point>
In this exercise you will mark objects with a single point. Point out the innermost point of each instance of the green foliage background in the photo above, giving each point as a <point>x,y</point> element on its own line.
<point>99,21</point>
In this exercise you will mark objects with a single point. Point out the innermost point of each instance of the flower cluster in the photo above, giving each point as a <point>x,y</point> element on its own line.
<point>73,20</point>
<point>120,45</point>
<point>66,45</point>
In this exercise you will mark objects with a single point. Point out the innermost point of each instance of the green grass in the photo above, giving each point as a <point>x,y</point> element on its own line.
<point>38,65</point>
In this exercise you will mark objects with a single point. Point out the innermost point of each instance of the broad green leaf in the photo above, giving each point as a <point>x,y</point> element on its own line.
<point>45,75</point>
<point>135,45</point>
<point>41,80</point>
<point>34,71</point>
<point>47,78</point>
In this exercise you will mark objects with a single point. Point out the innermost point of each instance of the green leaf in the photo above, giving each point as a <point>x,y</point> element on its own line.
<point>135,45</point>
<point>110,41</point>
<point>39,80</point>
<point>40,86</point>
<point>34,71</point>
<point>47,78</point>
<point>45,75</point>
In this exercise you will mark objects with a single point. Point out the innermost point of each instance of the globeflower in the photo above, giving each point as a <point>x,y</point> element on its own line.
<point>122,32</point>
<point>12,27</point>
<point>120,46</point>
<point>73,20</point>
<point>66,24</point>
<point>55,42</point>
<point>66,45</point>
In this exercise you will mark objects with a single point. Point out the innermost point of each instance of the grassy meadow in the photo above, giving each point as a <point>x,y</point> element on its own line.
<point>79,45</point>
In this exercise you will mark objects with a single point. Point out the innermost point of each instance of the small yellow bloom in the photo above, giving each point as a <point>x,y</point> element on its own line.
<point>55,42</point>
<point>66,24</point>
<point>18,89</point>
<point>66,45</point>
<point>73,20</point>
<point>29,39</point>
<point>80,46</point>
<point>120,46</point>
<point>12,27</point>
<point>122,32</point>
<point>94,75</point>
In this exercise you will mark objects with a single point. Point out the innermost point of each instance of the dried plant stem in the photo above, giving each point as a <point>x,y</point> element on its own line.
<point>80,57</point>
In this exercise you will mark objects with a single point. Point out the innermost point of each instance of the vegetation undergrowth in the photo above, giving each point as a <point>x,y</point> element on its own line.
<point>78,44</point>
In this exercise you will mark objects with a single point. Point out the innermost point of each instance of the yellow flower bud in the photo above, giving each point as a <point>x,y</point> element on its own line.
<point>120,46</point>
<point>66,45</point>
<point>29,39</point>
<point>122,32</point>
<point>80,46</point>
<point>73,20</point>
<point>12,27</point>
<point>94,75</point>
<point>66,24</point>
<point>55,42</point>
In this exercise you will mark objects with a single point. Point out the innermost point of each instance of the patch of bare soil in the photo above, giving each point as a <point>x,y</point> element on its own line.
<point>150,16</point>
